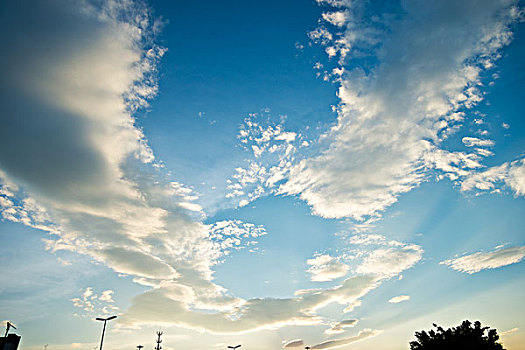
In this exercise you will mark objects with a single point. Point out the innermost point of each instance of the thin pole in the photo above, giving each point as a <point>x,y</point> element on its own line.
<point>103,330</point>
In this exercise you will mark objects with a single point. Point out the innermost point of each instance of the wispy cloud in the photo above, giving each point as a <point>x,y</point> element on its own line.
<point>365,333</point>
<point>386,258</point>
<point>399,299</point>
<point>510,331</point>
<point>476,262</point>
<point>326,268</point>
<point>339,327</point>
<point>511,174</point>
<point>293,343</point>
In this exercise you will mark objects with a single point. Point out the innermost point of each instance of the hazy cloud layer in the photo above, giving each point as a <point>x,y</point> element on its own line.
<point>365,333</point>
<point>476,262</point>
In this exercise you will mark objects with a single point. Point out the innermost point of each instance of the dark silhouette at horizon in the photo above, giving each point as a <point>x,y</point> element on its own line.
<point>466,336</point>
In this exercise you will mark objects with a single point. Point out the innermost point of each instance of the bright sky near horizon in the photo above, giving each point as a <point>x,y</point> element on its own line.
<point>276,174</point>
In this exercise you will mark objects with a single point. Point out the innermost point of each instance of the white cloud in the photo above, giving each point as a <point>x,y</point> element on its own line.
<point>234,234</point>
<point>399,299</point>
<point>89,177</point>
<point>390,261</point>
<point>510,331</point>
<point>326,268</point>
<point>273,151</point>
<point>476,262</point>
<point>293,343</point>
<point>386,258</point>
<point>338,327</point>
<point>329,344</point>
<point>338,18</point>
<point>106,296</point>
<point>87,293</point>
<point>511,174</point>
<point>393,118</point>
<point>94,305</point>
<point>474,141</point>
<point>160,306</point>
<point>352,306</point>
<point>516,177</point>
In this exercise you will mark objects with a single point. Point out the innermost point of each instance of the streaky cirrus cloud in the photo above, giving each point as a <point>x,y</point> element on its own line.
<point>329,344</point>
<point>394,114</point>
<point>479,261</point>
<point>510,331</point>
<point>339,327</point>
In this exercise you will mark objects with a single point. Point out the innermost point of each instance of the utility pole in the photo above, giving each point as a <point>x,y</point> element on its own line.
<point>139,347</point>
<point>159,333</point>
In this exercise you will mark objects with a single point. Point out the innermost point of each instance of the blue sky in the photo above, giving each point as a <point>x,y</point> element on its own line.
<point>331,173</point>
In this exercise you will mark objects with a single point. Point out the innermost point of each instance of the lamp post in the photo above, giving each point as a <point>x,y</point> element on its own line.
<point>104,329</point>
<point>234,347</point>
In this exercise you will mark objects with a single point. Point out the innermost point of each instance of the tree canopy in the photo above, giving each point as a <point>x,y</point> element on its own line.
<point>465,337</point>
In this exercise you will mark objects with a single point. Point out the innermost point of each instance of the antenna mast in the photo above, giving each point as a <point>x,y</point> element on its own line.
<point>159,333</point>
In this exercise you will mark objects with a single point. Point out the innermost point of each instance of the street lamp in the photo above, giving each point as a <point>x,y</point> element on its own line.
<point>234,347</point>
<point>104,329</point>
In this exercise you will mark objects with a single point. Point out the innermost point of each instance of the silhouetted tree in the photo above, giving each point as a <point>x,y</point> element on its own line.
<point>466,336</point>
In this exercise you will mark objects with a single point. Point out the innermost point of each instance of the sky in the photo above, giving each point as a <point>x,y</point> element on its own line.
<point>276,174</point>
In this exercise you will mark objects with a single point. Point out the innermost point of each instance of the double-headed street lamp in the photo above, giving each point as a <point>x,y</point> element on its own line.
<point>234,347</point>
<point>104,329</point>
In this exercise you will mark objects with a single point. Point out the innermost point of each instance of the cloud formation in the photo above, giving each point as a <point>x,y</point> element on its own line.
<point>399,299</point>
<point>476,262</point>
<point>293,343</point>
<point>172,303</point>
<point>329,344</point>
<point>510,331</point>
<point>511,174</point>
<point>70,94</point>
<point>382,257</point>
<point>338,327</point>
<point>393,116</point>
<point>326,268</point>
